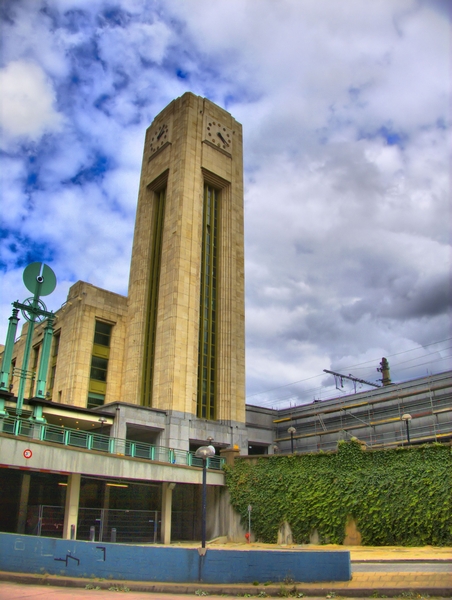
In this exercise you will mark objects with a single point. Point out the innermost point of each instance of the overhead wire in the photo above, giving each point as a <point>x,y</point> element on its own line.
<point>301,397</point>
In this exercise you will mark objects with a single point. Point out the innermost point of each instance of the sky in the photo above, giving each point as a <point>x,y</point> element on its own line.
<point>345,108</point>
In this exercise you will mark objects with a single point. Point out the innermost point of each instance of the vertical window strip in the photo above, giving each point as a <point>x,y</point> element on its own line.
<point>34,368</point>
<point>13,369</point>
<point>53,362</point>
<point>99,363</point>
<point>152,304</point>
<point>207,324</point>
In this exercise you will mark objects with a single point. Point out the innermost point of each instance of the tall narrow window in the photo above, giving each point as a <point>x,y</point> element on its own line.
<point>34,368</point>
<point>152,302</point>
<point>99,364</point>
<point>53,361</point>
<point>11,377</point>
<point>208,306</point>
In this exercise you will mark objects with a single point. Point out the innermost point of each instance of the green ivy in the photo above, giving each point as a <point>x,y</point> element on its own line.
<point>396,497</point>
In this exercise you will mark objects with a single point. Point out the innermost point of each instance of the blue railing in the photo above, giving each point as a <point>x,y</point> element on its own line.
<point>87,440</point>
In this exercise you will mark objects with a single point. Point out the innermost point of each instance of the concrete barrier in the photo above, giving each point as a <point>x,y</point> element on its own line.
<point>38,555</point>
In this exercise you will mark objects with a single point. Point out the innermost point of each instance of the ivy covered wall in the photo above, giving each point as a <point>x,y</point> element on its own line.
<point>396,497</point>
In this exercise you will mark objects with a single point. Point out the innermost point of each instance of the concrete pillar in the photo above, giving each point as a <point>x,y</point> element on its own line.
<point>106,535</point>
<point>72,502</point>
<point>167,500</point>
<point>229,454</point>
<point>23,503</point>
<point>120,424</point>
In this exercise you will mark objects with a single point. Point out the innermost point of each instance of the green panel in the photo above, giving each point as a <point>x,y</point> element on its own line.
<point>208,306</point>
<point>97,387</point>
<point>102,351</point>
<point>152,299</point>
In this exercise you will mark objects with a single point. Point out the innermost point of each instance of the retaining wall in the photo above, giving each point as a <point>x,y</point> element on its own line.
<point>31,554</point>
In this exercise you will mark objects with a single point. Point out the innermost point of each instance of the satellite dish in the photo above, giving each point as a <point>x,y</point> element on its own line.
<point>39,278</point>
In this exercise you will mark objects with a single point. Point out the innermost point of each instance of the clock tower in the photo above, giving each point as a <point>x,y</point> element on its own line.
<point>185,347</point>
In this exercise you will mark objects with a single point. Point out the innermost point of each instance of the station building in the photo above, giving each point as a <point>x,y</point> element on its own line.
<point>104,444</point>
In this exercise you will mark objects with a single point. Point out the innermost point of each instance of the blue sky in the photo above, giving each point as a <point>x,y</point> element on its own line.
<point>345,108</point>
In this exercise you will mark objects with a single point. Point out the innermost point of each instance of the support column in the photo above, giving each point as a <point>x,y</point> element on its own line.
<point>72,502</point>
<point>167,501</point>
<point>44,362</point>
<point>8,351</point>
<point>106,537</point>
<point>23,503</point>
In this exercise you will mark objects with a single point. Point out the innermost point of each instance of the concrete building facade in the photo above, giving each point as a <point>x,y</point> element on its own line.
<point>417,411</point>
<point>152,376</point>
<point>177,342</point>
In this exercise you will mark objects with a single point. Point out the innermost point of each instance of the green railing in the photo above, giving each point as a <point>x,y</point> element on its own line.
<point>95,441</point>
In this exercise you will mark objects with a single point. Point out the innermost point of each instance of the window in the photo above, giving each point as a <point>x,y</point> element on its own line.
<point>99,364</point>
<point>152,299</point>
<point>95,400</point>
<point>34,368</point>
<point>53,361</point>
<point>11,379</point>
<point>208,306</point>
<point>102,334</point>
<point>99,367</point>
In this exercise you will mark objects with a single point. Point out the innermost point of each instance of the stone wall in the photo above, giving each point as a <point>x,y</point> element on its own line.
<point>30,554</point>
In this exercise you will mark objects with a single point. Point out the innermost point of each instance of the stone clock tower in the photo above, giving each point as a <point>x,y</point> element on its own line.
<point>185,347</point>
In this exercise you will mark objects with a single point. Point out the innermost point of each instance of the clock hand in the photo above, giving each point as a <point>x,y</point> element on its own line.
<point>222,139</point>
<point>161,132</point>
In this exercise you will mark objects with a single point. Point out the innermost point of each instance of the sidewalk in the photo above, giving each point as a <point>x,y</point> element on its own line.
<point>363,584</point>
<point>357,553</point>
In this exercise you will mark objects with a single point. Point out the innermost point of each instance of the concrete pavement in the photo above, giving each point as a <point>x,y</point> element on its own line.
<point>363,584</point>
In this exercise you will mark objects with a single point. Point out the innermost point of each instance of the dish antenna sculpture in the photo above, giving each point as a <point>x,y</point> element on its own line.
<point>40,280</point>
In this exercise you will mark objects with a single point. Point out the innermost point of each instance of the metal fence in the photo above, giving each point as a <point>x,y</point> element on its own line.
<point>126,526</point>
<point>381,439</point>
<point>103,443</point>
<point>44,520</point>
<point>112,525</point>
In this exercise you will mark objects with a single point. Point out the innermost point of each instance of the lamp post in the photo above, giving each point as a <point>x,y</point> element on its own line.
<point>407,418</point>
<point>204,452</point>
<point>102,420</point>
<point>291,430</point>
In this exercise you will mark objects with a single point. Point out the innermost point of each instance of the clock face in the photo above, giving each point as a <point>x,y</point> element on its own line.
<point>159,137</point>
<point>219,135</point>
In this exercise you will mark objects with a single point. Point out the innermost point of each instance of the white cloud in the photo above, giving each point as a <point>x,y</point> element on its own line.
<point>14,201</point>
<point>126,47</point>
<point>28,99</point>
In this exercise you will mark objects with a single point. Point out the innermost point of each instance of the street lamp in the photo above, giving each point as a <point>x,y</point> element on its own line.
<point>102,420</point>
<point>407,418</point>
<point>291,430</point>
<point>204,452</point>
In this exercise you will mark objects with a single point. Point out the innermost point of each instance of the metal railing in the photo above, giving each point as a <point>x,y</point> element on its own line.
<point>88,440</point>
<point>381,439</point>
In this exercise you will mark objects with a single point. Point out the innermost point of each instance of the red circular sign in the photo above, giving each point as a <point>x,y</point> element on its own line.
<point>28,453</point>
